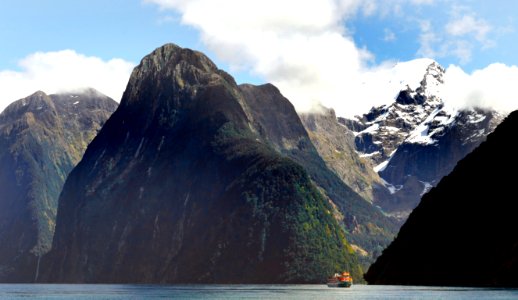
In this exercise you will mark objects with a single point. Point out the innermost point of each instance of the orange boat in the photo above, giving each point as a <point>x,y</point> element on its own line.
<point>340,280</point>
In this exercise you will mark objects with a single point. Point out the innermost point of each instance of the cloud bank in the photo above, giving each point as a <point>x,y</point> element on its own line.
<point>61,71</point>
<point>300,46</point>
<point>492,87</point>
<point>303,47</point>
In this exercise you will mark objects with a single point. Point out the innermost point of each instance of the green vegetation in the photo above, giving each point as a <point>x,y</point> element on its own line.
<point>284,201</point>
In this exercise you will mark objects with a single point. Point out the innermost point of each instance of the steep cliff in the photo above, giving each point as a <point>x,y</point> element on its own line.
<point>42,137</point>
<point>463,233</point>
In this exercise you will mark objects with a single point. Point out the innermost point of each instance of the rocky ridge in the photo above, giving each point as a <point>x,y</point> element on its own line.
<point>417,140</point>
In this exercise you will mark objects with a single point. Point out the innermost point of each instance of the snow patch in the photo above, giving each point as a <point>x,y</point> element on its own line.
<point>75,103</point>
<point>427,187</point>
<point>392,189</point>
<point>391,129</point>
<point>363,155</point>
<point>421,134</point>
<point>381,117</point>
<point>476,119</point>
<point>381,167</point>
<point>371,129</point>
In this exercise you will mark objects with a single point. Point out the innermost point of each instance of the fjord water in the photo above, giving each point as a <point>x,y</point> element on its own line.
<point>314,292</point>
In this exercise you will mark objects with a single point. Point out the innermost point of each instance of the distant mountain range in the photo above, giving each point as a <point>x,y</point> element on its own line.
<point>42,137</point>
<point>463,233</point>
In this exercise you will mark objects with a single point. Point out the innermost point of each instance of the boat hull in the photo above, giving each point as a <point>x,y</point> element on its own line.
<point>343,284</point>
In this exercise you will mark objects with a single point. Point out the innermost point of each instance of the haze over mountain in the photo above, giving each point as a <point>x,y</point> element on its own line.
<point>196,179</point>
<point>463,233</point>
<point>42,137</point>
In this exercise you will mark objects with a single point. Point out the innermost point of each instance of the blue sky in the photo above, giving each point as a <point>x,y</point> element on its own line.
<point>397,35</point>
<point>107,29</point>
<point>302,46</point>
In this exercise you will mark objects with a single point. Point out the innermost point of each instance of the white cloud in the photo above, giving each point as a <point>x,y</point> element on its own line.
<point>463,33</point>
<point>492,87</point>
<point>467,25</point>
<point>64,70</point>
<point>462,49</point>
<point>302,47</point>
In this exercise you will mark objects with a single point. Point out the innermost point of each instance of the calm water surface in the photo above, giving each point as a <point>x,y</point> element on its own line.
<point>314,292</point>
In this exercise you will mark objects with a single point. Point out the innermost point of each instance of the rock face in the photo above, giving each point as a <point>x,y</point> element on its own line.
<point>194,179</point>
<point>463,233</point>
<point>417,140</point>
<point>42,137</point>
<point>335,144</point>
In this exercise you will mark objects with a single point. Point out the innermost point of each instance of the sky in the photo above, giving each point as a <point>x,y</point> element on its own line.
<point>343,54</point>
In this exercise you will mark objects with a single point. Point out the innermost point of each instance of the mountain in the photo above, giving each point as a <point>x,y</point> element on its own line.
<point>42,137</point>
<point>463,233</point>
<point>369,230</point>
<point>196,179</point>
<point>335,144</point>
<point>416,140</point>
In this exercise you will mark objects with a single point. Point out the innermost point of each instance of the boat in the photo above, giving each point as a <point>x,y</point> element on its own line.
<point>343,279</point>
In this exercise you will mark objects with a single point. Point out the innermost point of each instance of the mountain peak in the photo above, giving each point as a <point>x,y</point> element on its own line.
<point>171,54</point>
<point>36,102</point>
<point>170,70</point>
<point>433,79</point>
<point>428,89</point>
<point>417,139</point>
<point>38,94</point>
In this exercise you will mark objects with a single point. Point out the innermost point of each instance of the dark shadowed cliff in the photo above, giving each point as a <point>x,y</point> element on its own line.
<point>42,137</point>
<point>463,232</point>
<point>181,185</point>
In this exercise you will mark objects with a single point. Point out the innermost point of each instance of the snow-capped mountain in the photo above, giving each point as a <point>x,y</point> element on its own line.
<point>416,140</point>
